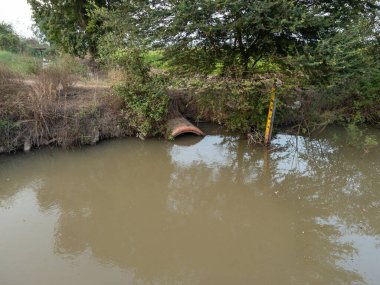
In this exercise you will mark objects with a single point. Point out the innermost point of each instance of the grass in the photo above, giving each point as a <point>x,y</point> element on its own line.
<point>22,64</point>
<point>38,113</point>
<point>156,59</point>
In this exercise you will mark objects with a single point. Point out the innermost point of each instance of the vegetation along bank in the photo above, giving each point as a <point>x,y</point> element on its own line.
<point>124,68</point>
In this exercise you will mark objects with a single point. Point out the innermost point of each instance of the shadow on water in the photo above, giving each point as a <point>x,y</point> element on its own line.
<point>210,211</point>
<point>187,139</point>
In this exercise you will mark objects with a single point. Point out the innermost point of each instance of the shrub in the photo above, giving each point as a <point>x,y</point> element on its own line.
<point>238,104</point>
<point>9,40</point>
<point>145,95</point>
<point>145,107</point>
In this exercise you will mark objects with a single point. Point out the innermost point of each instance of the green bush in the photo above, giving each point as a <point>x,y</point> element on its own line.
<point>145,95</point>
<point>145,107</point>
<point>240,105</point>
<point>346,68</point>
<point>9,40</point>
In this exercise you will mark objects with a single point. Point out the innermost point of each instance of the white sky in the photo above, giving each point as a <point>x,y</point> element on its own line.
<point>19,14</point>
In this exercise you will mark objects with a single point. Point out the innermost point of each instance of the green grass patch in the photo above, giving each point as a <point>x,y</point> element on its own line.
<point>155,58</point>
<point>22,64</point>
<point>267,65</point>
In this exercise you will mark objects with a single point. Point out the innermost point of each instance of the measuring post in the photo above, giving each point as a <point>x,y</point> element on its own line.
<point>271,113</point>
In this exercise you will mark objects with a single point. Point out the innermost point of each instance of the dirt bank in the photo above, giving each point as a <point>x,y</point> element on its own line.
<point>39,112</point>
<point>43,111</point>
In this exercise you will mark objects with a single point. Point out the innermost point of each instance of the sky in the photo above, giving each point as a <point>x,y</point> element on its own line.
<point>19,14</point>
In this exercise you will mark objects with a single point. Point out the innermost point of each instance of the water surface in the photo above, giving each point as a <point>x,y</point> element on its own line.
<point>192,211</point>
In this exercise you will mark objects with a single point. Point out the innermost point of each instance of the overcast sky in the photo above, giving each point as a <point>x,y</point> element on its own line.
<point>17,13</point>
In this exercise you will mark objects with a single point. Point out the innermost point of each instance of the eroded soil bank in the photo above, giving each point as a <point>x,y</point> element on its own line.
<point>80,114</point>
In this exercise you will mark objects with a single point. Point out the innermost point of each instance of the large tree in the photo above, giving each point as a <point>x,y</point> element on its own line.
<point>200,33</point>
<point>70,25</point>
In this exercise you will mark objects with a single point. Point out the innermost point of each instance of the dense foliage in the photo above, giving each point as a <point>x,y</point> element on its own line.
<point>145,95</point>
<point>72,25</point>
<point>200,34</point>
<point>346,67</point>
<point>325,53</point>
<point>9,40</point>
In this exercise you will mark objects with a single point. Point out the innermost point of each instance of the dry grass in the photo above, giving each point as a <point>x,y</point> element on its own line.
<point>55,78</point>
<point>9,84</point>
<point>51,110</point>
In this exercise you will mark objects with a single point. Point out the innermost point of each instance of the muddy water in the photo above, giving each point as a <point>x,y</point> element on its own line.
<point>211,211</point>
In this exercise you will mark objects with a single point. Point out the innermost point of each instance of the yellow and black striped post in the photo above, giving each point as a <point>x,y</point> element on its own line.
<point>270,118</point>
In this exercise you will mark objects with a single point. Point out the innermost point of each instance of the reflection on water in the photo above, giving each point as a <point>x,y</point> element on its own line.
<point>209,211</point>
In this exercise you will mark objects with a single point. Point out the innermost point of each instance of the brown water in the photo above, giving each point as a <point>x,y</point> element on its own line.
<point>211,211</point>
